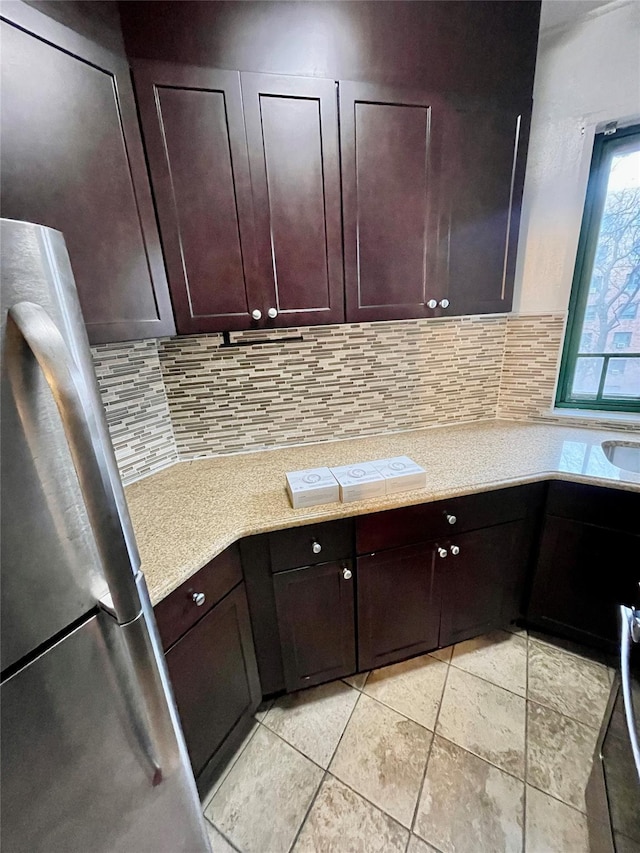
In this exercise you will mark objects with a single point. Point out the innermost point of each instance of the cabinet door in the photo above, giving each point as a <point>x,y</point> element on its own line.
<point>398,605</point>
<point>195,140</point>
<point>316,619</point>
<point>390,163</point>
<point>482,177</point>
<point>292,133</point>
<point>215,678</point>
<point>478,582</point>
<point>583,573</point>
<point>72,159</point>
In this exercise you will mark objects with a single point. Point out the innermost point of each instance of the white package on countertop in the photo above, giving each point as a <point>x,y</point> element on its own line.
<point>311,487</point>
<point>359,481</point>
<point>401,474</point>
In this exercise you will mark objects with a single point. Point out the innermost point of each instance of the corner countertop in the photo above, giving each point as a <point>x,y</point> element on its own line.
<point>185,515</point>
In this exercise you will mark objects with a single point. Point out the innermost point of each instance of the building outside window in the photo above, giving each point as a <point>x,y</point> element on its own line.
<point>604,321</point>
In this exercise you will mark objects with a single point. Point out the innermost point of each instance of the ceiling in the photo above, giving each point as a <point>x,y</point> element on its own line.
<point>557,13</point>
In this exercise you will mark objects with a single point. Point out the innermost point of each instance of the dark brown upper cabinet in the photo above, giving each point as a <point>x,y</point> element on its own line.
<point>481,182</point>
<point>194,134</point>
<point>292,135</point>
<point>431,197</point>
<point>72,159</point>
<point>391,140</point>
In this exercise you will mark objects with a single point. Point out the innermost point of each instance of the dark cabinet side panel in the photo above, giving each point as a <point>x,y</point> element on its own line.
<point>583,573</point>
<point>483,168</point>
<point>214,676</point>
<point>292,134</point>
<point>398,605</point>
<point>316,619</point>
<point>194,133</point>
<point>254,551</point>
<point>390,161</point>
<point>72,159</point>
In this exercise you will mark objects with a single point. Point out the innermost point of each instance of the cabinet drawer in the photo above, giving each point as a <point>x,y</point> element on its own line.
<point>307,546</point>
<point>178,612</point>
<point>413,524</point>
<point>613,508</point>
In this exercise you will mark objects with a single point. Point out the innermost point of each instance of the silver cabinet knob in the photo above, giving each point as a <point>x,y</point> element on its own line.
<point>346,573</point>
<point>451,518</point>
<point>444,303</point>
<point>256,313</point>
<point>455,550</point>
<point>198,598</point>
<point>442,552</point>
<point>432,303</point>
<point>316,547</point>
<point>272,313</point>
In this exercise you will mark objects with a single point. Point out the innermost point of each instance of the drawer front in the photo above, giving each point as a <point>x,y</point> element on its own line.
<point>414,524</point>
<point>310,545</point>
<point>178,611</point>
<point>613,508</point>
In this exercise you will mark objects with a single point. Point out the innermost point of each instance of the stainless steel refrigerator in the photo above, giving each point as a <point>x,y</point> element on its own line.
<point>93,757</point>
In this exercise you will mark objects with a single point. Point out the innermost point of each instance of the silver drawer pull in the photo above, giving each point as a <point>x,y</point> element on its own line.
<point>199,598</point>
<point>451,518</point>
<point>455,550</point>
<point>316,547</point>
<point>442,552</point>
<point>346,573</point>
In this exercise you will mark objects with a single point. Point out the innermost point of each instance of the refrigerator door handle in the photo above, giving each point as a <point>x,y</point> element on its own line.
<point>31,324</point>
<point>629,634</point>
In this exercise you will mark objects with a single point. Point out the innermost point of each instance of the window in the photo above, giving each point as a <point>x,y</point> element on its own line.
<point>621,340</point>
<point>601,358</point>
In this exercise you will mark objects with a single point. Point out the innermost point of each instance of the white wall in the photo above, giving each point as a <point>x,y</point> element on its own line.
<point>587,73</point>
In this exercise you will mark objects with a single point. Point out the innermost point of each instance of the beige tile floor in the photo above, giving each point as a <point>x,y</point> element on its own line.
<point>481,748</point>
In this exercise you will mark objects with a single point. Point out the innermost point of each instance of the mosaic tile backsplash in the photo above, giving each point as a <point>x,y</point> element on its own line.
<point>532,350</point>
<point>135,401</point>
<point>186,397</point>
<point>338,382</point>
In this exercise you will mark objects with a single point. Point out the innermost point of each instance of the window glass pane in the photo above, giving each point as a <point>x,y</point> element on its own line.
<point>623,378</point>
<point>586,378</point>
<point>611,320</point>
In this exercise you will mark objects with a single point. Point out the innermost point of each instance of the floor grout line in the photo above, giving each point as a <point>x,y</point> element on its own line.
<point>435,726</point>
<point>333,754</point>
<point>229,767</point>
<point>526,751</point>
<point>220,832</point>
<point>308,811</point>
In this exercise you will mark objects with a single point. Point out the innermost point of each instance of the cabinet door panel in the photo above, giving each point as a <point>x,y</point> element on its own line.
<point>292,133</point>
<point>316,619</point>
<point>194,132</point>
<point>214,676</point>
<point>390,154</point>
<point>583,573</point>
<point>72,159</point>
<point>477,584</point>
<point>398,605</point>
<point>483,167</point>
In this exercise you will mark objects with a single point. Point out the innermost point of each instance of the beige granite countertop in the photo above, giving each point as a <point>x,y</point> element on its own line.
<point>185,515</point>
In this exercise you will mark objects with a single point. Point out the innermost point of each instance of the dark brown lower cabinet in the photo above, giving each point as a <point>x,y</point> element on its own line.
<point>215,681</point>
<point>315,607</point>
<point>583,573</point>
<point>398,605</point>
<point>481,578</point>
